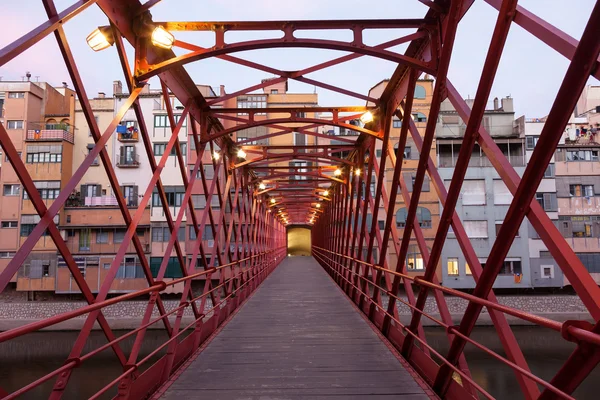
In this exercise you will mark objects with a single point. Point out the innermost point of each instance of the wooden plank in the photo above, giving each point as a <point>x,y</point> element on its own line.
<point>296,338</point>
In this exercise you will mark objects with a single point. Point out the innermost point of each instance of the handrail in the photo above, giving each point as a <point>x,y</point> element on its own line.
<point>575,332</point>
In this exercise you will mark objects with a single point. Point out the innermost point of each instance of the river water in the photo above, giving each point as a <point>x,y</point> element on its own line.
<point>27,358</point>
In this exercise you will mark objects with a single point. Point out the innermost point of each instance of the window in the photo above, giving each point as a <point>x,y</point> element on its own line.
<point>182,147</point>
<point>173,269</point>
<point>511,266</point>
<point>177,118</point>
<point>381,225</point>
<point>14,124</point>
<point>46,268</point>
<point>548,201</point>
<point>414,260</point>
<point>253,101</point>
<point>582,155</point>
<point>7,254</point>
<point>161,121</point>
<point>199,201</point>
<point>468,269</point>
<point>550,171</point>
<point>476,229</point>
<point>119,235</point>
<point>48,190</point>
<point>396,123</point>
<point>530,142</point>
<point>9,224</point>
<point>16,95</point>
<point>581,190</point>
<point>91,190</point>
<point>473,192</point>
<point>423,216</point>
<point>130,268</point>
<point>90,128</point>
<point>159,148</point>
<point>45,157</point>
<point>101,236</point>
<point>419,117</point>
<point>502,196</point>
<point>90,148</point>
<point>420,92</point>
<point>130,193</point>
<point>11,190</point>
<point>499,225</point>
<point>452,266</point>
<point>274,91</point>
<point>407,151</point>
<point>547,271</point>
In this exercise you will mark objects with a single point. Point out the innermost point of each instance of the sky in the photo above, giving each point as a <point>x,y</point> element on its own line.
<point>529,71</point>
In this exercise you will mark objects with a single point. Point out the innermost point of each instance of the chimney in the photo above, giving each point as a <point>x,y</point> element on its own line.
<point>221,90</point>
<point>101,95</point>
<point>507,104</point>
<point>117,87</point>
<point>495,103</point>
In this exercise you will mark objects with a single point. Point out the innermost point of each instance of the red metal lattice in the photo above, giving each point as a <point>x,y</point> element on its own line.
<point>257,234</point>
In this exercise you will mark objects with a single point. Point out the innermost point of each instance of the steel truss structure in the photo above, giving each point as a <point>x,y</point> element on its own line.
<point>254,230</point>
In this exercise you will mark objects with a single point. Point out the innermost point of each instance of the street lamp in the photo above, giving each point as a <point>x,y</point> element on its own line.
<point>162,38</point>
<point>101,38</point>
<point>366,117</point>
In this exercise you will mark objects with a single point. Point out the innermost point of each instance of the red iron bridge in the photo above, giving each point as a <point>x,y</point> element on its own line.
<point>324,326</point>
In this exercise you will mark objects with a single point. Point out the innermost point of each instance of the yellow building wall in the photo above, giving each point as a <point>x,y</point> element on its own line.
<point>298,241</point>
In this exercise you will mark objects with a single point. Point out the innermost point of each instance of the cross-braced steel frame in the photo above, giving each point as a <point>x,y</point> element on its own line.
<point>257,196</point>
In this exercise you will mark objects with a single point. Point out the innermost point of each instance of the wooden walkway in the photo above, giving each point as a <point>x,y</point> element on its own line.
<point>296,338</point>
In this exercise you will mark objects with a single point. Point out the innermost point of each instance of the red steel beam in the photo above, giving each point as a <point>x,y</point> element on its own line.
<point>575,79</point>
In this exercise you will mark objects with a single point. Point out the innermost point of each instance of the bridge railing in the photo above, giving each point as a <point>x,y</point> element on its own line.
<point>244,276</point>
<point>348,280</point>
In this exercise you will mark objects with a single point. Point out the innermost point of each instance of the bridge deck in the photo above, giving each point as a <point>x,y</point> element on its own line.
<point>296,338</point>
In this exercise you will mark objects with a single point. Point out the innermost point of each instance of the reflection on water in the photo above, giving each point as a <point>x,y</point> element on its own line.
<point>544,350</point>
<point>25,359</point>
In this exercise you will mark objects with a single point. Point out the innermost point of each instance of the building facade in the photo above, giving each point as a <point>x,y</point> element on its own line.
<point>39,119</point>
<point>484,198</point>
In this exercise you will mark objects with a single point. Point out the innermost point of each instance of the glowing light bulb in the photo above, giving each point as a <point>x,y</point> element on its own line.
<point>326,193</point>
<point>337,172</point>
<point>100,39</point>
<point>357,172</point>
<point>273,201</point>
<point>262,186</point>
<point>241,153</point>
<point>318,205</point>
<point>366,117</point>
<point>162,38</point>
<point>216,155</point>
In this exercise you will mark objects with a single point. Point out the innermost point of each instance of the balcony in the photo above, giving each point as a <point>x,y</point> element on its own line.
<point>77,200</point>
<point>128,161</point>
<point>127,134</point>
<point>51,133</point>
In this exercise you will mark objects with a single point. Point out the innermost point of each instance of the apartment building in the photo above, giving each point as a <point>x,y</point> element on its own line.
<point>578,191</point>
<point>39,119</point>
<point>428,212</point>
<point>543,268</point>
<point>484,198</point>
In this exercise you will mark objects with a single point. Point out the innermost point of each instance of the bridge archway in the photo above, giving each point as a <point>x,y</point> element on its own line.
<point>299,241</point>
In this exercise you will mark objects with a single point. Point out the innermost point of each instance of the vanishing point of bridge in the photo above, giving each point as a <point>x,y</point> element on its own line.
<point>325,326</point>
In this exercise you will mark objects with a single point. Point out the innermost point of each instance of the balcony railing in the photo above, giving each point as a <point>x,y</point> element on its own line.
<point>128,161</point>
<point>128,136</point>
<point>50,134</point>
<point>99,201</point>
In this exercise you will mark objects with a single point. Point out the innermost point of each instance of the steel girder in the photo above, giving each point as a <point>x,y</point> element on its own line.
<point>250,236</point>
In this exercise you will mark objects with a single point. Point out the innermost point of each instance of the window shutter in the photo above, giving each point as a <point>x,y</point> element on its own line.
<point>408,181</point>
<point>426,184</point>
<point>547,201</point>
<point>122,155</point>
<point>135,195</point>
<point>84,190</point>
